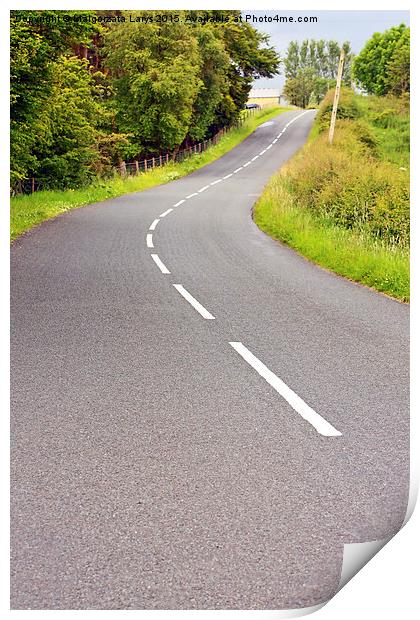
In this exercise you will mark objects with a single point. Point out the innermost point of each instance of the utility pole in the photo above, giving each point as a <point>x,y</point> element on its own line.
<point>336,96</point>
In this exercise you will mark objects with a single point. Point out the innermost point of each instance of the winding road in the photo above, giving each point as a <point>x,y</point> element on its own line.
<point>201,418</point>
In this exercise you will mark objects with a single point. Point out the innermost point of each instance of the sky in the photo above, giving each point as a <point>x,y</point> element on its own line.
<point>354,26</point>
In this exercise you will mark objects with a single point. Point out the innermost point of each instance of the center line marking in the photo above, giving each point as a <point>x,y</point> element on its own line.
<point>322,426</point>
<point>191,195</point>
<point>237,169</point>
<point>203,189</point>
<point>263,151</point>
<point>269,147</point>
<point>165,212</point>
<point>274,141</point>
<point>154,224</point>
<point>254,158</point>
<point>195,304</point>
<point>228,176</point>
<point>159,263</point>
<point>215,182</point>
<point>247,164</point>
<point>149,241</point>
<point>179,203</point>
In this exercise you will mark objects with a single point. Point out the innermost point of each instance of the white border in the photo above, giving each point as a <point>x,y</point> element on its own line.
<point>387,586</point>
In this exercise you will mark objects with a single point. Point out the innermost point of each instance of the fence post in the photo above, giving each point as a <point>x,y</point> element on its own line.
<point>145,165</point>
<point>160,160</point>
<point>137,166</point>
<point>153,162</point>
<point>32,185</point>
<point>123,169</point>
<point>167,157</point>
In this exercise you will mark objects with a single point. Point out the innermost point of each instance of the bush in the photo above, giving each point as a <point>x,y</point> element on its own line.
<point>347,185</point>
<point>347,107</point>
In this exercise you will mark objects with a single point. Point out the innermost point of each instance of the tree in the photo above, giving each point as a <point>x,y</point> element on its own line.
<point>373,66</point>
<point>250,58</point>
<point>155,69</point>
<point>68,152</point>
<point>398,68</point>
<point>34,48</point>
<point>310,67</point>
<point>298,90</point>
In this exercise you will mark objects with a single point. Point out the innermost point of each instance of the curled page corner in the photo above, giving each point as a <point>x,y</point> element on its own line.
<point>298,613</point>
<point>356,556</point>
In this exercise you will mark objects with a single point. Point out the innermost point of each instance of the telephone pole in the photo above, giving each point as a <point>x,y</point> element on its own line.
<point>336,96</point>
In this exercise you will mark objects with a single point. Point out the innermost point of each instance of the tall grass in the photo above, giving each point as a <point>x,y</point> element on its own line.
<point>346,206</point>
<point>29,210</point>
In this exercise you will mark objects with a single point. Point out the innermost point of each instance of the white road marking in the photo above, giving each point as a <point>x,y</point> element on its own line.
<point>191,195</point>
<point>165,212</point>
<point>263,151</point>
<point>195,304</point>
<point>228,175</point>
<point>247,164</point>
<point>149,241</point>
<point>159,263</point>
<point>203,189</point>
<point>274,141</point>
<point>237,169</point>
<point>215,182</point>
<point>269,146</point>
<point>254,158</point>
<point>154,224</point>
<point>179,203</point>
<point>322,426</point>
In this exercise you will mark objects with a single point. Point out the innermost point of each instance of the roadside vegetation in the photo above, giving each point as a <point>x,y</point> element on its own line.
<point>28,210</point>
<point>101,88</point>
<point>346,206</point>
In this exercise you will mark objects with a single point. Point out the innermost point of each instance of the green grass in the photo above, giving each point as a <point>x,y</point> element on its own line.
<point>346,206</point>
<point>389,120</point>
<point>350,253</point>
<point>28,211</point>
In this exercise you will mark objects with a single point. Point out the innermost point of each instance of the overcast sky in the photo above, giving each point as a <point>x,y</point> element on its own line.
<point>354,26</point>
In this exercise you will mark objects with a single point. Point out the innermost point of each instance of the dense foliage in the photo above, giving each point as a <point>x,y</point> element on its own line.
<point>88,93</point>
<point>311,68</point>
<point>383,65</point>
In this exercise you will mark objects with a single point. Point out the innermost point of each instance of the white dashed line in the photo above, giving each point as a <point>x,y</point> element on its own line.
<point>154,224</point>
<point>179,203</point>
<point>203,189</point>
<point>215,182</point>
<point>274,141</point>
<point>149,241</point>
<point>237,169</point>
<point>195,304</point>
<point>322,426</point>
<point>228,175</point>
<point>269,147</point>
<point>159,263</point>
<point>254,158</point>
<point>263,151</point>
<point>165,212</point>
<point>191,195</point>
<point>247,164</point>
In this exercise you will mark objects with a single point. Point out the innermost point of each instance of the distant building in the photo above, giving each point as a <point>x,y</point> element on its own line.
<point>266,96</point>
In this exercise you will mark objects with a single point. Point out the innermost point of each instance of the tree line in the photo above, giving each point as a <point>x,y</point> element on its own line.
<point>88,94</point>
<point>382,67</point>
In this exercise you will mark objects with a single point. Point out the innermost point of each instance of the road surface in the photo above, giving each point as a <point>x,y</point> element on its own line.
<point>208,437</point>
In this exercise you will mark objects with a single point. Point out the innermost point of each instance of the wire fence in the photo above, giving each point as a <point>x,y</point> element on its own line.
<point>138,166</point>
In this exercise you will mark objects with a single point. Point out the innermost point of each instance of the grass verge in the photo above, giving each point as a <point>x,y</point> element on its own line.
<point>29,210</point>
<point>346,206</point>
<point>346,252</point>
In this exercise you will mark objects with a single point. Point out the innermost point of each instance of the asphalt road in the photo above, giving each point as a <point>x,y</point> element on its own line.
<point>155,465</point>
